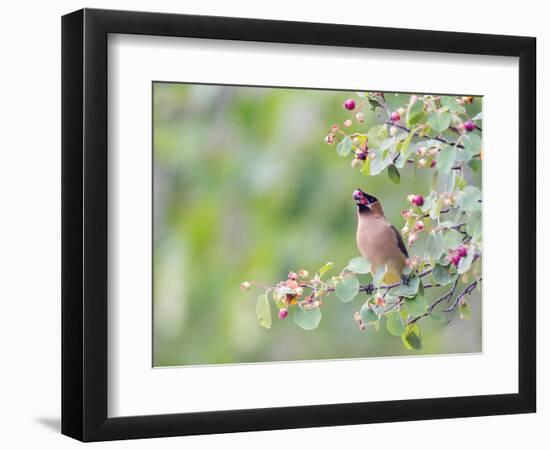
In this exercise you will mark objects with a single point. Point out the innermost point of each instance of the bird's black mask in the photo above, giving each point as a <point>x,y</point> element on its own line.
<point>363,200</point>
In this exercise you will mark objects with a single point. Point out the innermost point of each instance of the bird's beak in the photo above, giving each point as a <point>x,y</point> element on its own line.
<point>360,197</point>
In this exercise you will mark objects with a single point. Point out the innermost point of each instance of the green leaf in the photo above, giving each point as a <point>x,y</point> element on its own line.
<point>478,116</point>
<point>368,316</point>
<point>393,174</point>
<point>410,289</point>
<point>452,239</point>
<point>307,319</point>
<point>263,311</point>
<point>451,104</point>
<point>474,164</point>
<point>434,246</point>
<point>376,135</point>
<point>464,310</point>
<point>441,275</point>
<point>326,268</point>
<point>347,288</point>
<point>344,147</point>
<point>359,265</point>
<point>472,143</point>
<point>439,122</point>
<point>378,276</point>
<point>381,160</point>
<point>416,306</point>
<point>446,159</point>
<point>365,168</point>
<point>450,181</point>
<point>387,143</point>
<point>469,198</point>
<point>466,262</point>
<point>415,113</point>
<point>474,225</point>
<point>411,337</point>
<point>394,323</point>
<point>405,152</point>
<point>429,201</point>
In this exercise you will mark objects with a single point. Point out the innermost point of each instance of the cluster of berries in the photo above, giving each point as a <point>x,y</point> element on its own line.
<point>350,105</point>
<point>292,283</point>
<point>457,254</point>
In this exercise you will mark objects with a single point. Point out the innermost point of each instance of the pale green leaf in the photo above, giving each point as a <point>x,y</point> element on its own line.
<point>307,319</point>
<point>347,288</point>
<point>359,265</point>
<point>452,239</point>
<point>441,276</point>
<point>465,263</point>
<point>464,310</point>
<point>439,122</point>
<point>446,159</point>
<point>263,311</point>
<point>416,306</point>
<point>469,198</point>
<point>410,289</point>
<point>393,174</point>
<point>434,246</point>
<point>326,268</point>
<point>394,323</point>
<point>368,316</point>
<point>344,147</point>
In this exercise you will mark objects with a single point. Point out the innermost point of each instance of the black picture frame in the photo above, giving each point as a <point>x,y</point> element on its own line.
<point>84,224</point>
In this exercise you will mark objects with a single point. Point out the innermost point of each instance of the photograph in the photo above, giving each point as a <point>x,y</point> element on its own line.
<point>299,224</point>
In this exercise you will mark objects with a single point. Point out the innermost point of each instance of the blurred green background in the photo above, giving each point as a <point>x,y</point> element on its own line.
<point>245,188</point>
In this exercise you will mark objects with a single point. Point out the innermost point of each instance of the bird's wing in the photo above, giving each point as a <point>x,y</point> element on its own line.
<point>400,242</point>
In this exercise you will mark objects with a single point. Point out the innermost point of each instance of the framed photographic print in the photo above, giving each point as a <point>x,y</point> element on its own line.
<point>273,224</point>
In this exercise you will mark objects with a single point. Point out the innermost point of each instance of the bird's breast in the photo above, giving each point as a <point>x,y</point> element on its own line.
<point>375,241</point>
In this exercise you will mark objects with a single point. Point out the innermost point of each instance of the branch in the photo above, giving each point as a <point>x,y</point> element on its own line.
<point>437,138</point>
<point>444,297</point>
<point>467,291</point>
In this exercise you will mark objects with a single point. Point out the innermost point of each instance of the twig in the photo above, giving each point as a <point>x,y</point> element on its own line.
<point>444,297</point>
<point>467,291</point>
<point>437,138</point>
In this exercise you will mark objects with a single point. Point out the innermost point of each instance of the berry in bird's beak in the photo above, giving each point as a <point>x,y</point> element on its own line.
<point>358,195</point>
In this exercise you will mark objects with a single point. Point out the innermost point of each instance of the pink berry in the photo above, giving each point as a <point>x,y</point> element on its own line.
<point>349,104</point>
<point>329,139</point>
<point>462,251</point>
<point>417,200</point>
<point>361,155</point>
<point>292,276</point>
<point>418,226</point>
<point>394,116</point>
<point>469,125</point>
<point>335,128</point>
<point>432,164</point>
<point>455,259</point>
<point>283,312</point>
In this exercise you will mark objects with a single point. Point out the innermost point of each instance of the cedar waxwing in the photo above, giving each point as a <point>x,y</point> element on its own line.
<point>377,239</point>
